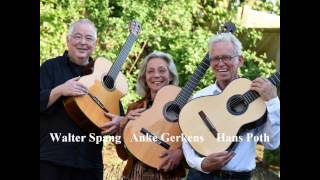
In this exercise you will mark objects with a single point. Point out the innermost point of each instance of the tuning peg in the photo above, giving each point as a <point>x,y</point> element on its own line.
<point>227,27</point>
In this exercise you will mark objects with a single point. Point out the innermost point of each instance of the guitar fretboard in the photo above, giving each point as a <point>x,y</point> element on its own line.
<point>192,83</point>
<point>250,96</point>
<point>116,66</point>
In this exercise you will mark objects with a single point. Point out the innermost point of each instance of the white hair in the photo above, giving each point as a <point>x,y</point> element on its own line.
<point>82,21</point>
<point>226,37</point>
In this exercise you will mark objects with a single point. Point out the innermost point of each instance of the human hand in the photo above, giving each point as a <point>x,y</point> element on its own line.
<point>73,87</point>
<point>216,161</point>
<point>265,88</point>
<point>172,158</point>
<point>133,114</point>
<point>112,126</point>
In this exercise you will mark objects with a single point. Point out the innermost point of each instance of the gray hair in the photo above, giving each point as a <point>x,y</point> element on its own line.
<point>82,21</point>
<point>226,37</point>
<point>141,86</point>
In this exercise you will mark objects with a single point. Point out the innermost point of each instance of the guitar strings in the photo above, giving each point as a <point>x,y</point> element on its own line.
<point>251,95</point>
<point>123,53</point>
<point>182,98</point>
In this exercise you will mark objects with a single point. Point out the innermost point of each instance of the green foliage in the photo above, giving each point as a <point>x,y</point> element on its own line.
<point>272,157</point>
<point>267,6</point>
<point>179,27</point>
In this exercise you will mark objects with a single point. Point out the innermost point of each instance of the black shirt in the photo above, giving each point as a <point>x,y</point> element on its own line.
<point>54,120</point>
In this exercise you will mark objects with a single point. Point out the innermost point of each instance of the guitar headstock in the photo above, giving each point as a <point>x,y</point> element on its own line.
<point>134,27</point>
<point>227,27</point>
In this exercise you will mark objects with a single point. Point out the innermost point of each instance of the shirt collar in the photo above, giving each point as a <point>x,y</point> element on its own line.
<point>216,88</point>
<point>65,55</point>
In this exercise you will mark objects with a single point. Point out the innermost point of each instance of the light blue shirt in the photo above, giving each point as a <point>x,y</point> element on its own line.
<point>244,159</point>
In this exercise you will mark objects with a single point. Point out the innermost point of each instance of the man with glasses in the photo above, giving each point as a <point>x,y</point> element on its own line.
<point>65,150</point>
<point>225,52</point>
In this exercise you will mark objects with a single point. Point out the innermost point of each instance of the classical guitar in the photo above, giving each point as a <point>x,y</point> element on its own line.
<point>106,86</point>
<point>160,121</point>
<point>157,129</point>
<point>221,118</point>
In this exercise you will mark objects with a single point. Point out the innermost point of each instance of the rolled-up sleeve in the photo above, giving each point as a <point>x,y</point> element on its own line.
<point>272,126</point>
<point>193,159</point>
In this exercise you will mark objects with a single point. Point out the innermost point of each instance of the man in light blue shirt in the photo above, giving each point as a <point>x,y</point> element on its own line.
<point>226,58</point>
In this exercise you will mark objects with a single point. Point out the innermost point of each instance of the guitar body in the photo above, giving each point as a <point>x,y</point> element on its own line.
<point>225,122</point>
<point>153,120</point>
<point>84,110</point>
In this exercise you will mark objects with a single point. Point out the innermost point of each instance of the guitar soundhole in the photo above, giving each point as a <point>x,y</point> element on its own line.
<point>236,105</point>
<point>108,82</point>
<point>171,111</point>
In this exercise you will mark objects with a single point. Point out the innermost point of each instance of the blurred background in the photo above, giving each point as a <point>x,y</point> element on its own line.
<point>179,27</point>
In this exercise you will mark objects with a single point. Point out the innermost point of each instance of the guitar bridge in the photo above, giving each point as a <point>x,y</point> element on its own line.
<point>210,126</point>
<point>98,102</point>
<point>154,138</point>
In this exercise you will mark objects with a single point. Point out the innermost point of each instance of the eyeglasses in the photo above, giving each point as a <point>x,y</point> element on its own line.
<point>224,59</point>
<point>79,37</point>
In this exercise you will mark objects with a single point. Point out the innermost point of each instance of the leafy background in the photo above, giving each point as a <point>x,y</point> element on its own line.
<point>179,27</point>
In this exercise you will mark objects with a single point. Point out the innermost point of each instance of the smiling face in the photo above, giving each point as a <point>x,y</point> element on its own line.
<point>81,44</point>
<point>225,71</point>
<point>157,75</point>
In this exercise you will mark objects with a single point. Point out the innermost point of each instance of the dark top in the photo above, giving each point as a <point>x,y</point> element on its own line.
<point>54,120</point>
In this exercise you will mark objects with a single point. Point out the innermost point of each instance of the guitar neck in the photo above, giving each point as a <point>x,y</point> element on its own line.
<point>116,66</point>
<point>250,96</point>
<point>275,79</point>
<point>192,83</point>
